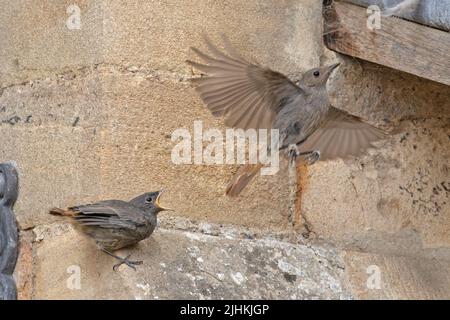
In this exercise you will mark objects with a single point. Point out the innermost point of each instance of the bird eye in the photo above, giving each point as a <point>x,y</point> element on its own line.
<point>316,73</point>
<point>149,200</point>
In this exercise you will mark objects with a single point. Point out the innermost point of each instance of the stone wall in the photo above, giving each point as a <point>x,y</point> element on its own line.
<point>88,114</point>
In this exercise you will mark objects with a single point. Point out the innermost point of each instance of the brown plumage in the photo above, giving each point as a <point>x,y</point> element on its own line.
<point>115,224</point>
<point>250,96</point>
<point>241,178</point>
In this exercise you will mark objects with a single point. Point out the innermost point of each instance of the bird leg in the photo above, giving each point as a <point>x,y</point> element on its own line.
<point>311,156</point>
<point>293,153</point>
<point>125,260</point>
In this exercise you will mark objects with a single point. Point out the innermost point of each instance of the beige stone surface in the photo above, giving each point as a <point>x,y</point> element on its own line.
<point>58,166</point>
<point>36,42</point>
<point>107,134</point>
<point>383,95</point>
<point>154,34</point>
<point>24,271</point>
<point>186,265</point>
<point>92,110</point>
<point>207,260</point>
<point>88,114</point>
<point>402,185</point>
<point>375,276</point>
<point>159,34</point>
<point>73,99</point>
<point>138,147</point>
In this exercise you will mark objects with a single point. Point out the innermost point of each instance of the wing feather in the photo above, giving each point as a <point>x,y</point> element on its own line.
<point>109,214</point>
<point>246,94</point>
<point>342,135</point>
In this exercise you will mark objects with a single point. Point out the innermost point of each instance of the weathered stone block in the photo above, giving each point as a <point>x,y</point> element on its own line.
<point>375,276</point>
<point>58,166</point>
<point>153,34</point>
<point>107,134</point>
<point>186,265</point>
<point>402,186</point>
<point>36,41</point>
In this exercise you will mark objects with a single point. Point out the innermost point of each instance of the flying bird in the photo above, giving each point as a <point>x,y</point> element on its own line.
<point>115,224</point>
<point>248,95</point>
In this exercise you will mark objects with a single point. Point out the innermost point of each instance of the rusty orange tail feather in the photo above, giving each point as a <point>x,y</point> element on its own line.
<point>242,178</point>
<point>61,212</point>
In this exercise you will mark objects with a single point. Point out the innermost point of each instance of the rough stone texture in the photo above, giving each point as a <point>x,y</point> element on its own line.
<point>209,261</point>
<point>155,34</point>
<point>24,272</point>
<point>35,41</point>
<point>383,95</point>
<point>405,184</point>
<point>401,277</point>
<point>88,114</point>
<point>119,146</point>
<point>95,107</point>
<point>198,266</point>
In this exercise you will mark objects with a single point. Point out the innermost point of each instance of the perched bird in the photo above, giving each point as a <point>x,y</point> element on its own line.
<point>402,8</point>
<point>115,224</point>
<point>250,96</point>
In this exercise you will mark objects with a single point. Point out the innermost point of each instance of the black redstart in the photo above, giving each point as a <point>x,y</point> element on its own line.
<point>115,224</point>
<point>251,96</point>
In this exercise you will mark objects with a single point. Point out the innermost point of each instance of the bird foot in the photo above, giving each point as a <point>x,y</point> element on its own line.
<point>128,262</point>
<point>313,157</point>
<point>310,156</point>
<point>293,153</point>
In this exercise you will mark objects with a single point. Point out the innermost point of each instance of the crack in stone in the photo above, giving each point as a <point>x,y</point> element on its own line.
<point>70,74</point>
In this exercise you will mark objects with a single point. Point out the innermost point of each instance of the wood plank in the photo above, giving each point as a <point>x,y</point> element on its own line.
<point>433,13</point>
<point>399,44</point>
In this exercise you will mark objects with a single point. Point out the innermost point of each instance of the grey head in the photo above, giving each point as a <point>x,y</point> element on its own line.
<point>317,77</point>
<point>150,202</point>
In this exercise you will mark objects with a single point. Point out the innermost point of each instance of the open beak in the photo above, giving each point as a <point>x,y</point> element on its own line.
<point>158,203</point>
<point>332,67</point>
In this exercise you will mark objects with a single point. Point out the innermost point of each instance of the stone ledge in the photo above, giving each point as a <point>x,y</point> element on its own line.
<point>187,265</point>
<point>185,259</point>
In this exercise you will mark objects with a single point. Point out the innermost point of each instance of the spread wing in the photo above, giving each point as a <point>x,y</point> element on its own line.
<point>109,214</point>
<point>247,95</point>
<point>342,135</point>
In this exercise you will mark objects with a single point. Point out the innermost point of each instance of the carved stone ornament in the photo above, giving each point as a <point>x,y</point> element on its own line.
<point>9,240</point>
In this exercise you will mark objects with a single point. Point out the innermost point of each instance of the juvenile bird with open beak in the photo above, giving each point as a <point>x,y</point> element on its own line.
<point>115,224</point>
<point>249,96</point>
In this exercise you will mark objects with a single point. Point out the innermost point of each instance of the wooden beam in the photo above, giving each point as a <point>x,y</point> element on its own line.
<point>399,44</point>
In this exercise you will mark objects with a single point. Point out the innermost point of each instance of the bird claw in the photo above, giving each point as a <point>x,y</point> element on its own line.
<point>293,153</point>
<point>313,157</point>
<point>128,262</point>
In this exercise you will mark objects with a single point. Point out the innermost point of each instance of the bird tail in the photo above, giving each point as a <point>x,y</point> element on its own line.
<point>60,212</point>
<point>242,178</point>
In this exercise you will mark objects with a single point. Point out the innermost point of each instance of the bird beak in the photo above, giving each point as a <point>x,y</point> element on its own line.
<point>332,67</point>
<point>158,203</point>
